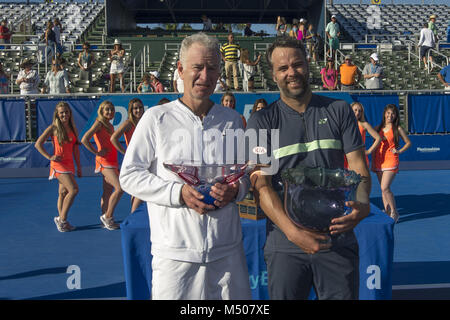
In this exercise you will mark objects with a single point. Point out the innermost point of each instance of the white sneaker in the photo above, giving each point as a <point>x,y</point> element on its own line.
<point>63,226</point>
<point>109,223</point>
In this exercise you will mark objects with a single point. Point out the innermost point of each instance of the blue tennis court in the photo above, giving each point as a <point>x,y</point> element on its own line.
<point>38,262</point>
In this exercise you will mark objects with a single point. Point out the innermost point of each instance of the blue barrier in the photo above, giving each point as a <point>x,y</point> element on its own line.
<point>12,120</point>
<point>425,148</point>
<point>429,113</point>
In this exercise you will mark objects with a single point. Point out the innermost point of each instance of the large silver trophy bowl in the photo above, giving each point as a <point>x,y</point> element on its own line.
<point>203,176</point>
<point>315,196</point>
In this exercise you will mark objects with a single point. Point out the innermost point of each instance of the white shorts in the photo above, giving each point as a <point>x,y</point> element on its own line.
<point>223,279</point>
<point>116,68</point>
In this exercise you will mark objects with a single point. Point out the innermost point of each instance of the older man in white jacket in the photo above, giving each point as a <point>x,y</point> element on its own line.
<point>197,248</point>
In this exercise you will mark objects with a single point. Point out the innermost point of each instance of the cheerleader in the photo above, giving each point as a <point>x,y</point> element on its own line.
<point>106,162</point>
<point>135,112</point>
<point>385,160</point>
<point>64,136</point>
<point>364,127</point>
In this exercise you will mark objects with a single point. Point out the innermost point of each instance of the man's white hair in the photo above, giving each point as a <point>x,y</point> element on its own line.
<point>203,39</point>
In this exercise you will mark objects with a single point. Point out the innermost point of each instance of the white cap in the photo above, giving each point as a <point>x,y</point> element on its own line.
<point>374,56</point>
<point>333,16</point>
<point>155,74</point>
<point>302,20</point>
<point>117,41</point>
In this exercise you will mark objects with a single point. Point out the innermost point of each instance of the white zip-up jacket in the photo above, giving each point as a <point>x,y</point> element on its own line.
<point>169,133</point>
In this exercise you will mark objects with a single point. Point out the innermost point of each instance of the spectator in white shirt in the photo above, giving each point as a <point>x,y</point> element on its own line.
<point>426,42</point>
<point>27,79</point>
<point>56,79</point>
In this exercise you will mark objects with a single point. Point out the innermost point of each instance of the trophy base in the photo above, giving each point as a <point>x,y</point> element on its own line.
<point>205,190</point>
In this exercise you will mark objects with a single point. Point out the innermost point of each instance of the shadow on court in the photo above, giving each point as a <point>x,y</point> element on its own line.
<point>417,207</point>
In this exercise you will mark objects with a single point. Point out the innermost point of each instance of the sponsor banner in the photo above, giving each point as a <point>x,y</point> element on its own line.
<point>428,148</point>
<point>429,113</point>
<point>21,155</point>
<point>12,120</point>
<point>25,155</point>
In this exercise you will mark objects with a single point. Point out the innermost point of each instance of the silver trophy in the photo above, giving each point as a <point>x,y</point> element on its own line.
<point>203,176</point>
<point>315,196</point>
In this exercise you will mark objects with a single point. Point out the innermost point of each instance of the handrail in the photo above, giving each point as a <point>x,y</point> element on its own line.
<point>431,64</point>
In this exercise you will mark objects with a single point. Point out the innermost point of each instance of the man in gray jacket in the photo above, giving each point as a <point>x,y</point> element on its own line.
<point>373,73</point>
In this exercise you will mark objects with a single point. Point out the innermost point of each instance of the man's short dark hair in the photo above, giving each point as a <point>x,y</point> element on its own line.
<point>284,43</point>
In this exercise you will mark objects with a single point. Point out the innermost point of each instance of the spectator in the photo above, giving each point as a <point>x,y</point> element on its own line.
<point>230,54</point>
<point>229,100</point>
<point>5,33</point>
<point>427,41</point>
<point>348,73</point>
<point>57,29</point>
<point>117,66</point>
<point>178,85</point>
<point>329,75</point>
<point>311,43</point>
<point>294,31</point>
<point>249,70</point>
<point>444,77</point>
<point>207,24</point>
<point>281,26</point>
<point>333,32</point>
<point>220,27</point>
<point>56,79</point>
<point>85,62</point>
<point>373,73</point>
<point>146,85</point>
<point>4,80</point>
<point>432,27</point>
<point>248,32</point>
<point>27,79</point>
<point>50,42</point>
<point>301,31</point>
<point>258,105</point>
<point>156,84</point>
<point>221,85</point>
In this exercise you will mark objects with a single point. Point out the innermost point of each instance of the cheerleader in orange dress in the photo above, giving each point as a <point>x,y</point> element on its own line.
<point>64,137</point>
<point>135,112</point>
<point>106,162</point>
<point>385,160</point>
<point>364,127</point>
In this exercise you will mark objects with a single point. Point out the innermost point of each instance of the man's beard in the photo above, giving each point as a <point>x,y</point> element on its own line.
<point>298,92</point>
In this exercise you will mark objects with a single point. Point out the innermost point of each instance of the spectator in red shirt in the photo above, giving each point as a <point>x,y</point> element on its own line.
<point>5,33</point>
<point>156,84</point>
